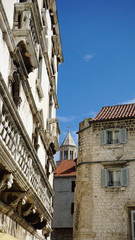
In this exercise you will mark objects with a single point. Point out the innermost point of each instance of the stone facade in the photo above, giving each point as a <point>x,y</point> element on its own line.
<point>30,52</point>
<point>103,211</point>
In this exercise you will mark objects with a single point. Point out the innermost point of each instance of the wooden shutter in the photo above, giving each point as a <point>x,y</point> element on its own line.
<point>103,137</point>
<point>123,135</point>
<point>104,177</point>
<point>124,177</point>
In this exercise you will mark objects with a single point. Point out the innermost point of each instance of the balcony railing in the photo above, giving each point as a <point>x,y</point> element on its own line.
<point>14,143</point>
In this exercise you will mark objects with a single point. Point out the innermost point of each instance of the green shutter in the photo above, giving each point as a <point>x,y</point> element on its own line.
<point>103,137</point>
<point>104,177</point>
<point>123,135</point>
<point>124,177</point>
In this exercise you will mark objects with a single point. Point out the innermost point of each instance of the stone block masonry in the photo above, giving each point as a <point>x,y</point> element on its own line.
<point>103,212</point>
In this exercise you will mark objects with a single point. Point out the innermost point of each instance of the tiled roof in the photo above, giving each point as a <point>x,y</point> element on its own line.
<point>116,112</point>
<point>66,168</point>
<point>68,141</point>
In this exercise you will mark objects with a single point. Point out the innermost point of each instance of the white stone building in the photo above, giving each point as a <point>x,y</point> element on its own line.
<point>30,52</point>
<point>105,182</point>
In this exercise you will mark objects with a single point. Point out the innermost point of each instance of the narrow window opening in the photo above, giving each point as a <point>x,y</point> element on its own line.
<point>73,186</point>
<point>71,154</point>
<point>65,154</point>
<point>15,88</point>
<point>72,208</point>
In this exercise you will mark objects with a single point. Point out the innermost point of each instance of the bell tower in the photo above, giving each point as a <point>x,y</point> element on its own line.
<point>68,148</point>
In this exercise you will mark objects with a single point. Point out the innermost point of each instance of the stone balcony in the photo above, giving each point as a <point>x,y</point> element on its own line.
<point>24,187</point>
<point>53,131</point>
<point>26,33</point>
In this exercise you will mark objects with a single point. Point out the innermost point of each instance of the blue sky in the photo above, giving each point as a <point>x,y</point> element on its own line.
<point>98,42</point>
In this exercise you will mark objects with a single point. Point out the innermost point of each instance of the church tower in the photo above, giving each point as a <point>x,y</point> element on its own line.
<point>68,148</point>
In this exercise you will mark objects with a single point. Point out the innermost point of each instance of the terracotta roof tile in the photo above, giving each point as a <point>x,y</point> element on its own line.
<point>66,168</point>
<point>116,112</point>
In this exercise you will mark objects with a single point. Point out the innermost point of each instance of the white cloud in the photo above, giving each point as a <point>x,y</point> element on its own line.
<point>90,114</point>
<point>129,101</point>
<point>87,57</point>
<point>66,119</point>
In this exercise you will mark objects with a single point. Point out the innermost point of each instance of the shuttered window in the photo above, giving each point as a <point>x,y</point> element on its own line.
<point>113,136</point>
<point>114,177</point>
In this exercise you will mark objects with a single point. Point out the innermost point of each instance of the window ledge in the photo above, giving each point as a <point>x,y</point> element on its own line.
<point>113,189</point>
<point>113,145</point>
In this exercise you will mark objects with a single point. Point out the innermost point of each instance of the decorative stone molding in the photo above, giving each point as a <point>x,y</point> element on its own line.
<point>39,89</point>
<point>7,33</point>
<point>27,33</point>
<point>13,198</point>
<point>6,181</point>
<point>10,80</point>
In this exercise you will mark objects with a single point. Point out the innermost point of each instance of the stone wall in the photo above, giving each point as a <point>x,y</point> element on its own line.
<point>7,225</point>
<point>103,213</point>
<point>63,234</point>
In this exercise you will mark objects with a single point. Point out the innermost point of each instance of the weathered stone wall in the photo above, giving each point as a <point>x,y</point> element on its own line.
<point>11,227</point>
<point>103,213</point>
<point>62,234</point>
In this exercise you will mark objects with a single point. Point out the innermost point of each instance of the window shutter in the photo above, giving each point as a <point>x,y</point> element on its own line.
<point>123,135</point>
<point>103,137</point>
<point>124,177</point>
<point>104,177</point>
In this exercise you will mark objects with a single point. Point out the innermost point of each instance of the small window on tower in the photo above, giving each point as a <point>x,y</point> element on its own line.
<point>65,154</point>
<point>71,154</point>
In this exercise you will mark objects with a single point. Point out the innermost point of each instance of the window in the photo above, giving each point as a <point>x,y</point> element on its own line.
<point>133,224</point>
<point>71,154</point>
<point>16,89</point>
<point>50,105</point>
<point>40,67</point>
<point>47,168</point>
<point>72,208</point>
<point>114,177</point>
<point>73,186</point>
<point>113,136</point>
<point>65,154</point>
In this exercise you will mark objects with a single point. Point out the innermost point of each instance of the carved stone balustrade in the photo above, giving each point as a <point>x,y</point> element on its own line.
<point>53,131</point>
<point>26,33</point>
<point>21,172</point>
<point>14,143</point>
